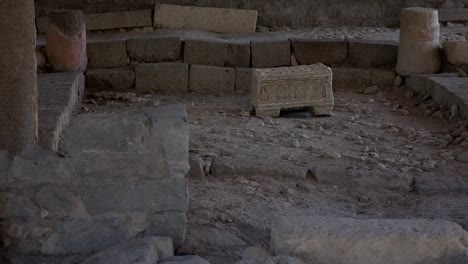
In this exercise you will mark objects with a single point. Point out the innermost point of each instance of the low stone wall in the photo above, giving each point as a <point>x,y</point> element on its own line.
<point>294,14</point>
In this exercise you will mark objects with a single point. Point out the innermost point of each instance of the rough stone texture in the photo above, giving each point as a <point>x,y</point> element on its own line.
<point>185,260</point>
<point>267,54</point>
<point>144,251</point>
<point>368,54</point>
<point>418,52</point>
<point>217,52</point>
<point>453,14</point>
<point>157,49</point>
<point>244,80</point>
<point>205,18</point>
<point>345,78</point>
<point>291,87</point>
<point>383,77</point>
<point>212,236</point>
<point>317,239</point>
<point>116,79</point>
<point>162,77</point>
<point>66,41</point>
<point>328,52</point>
<point>456,52</point>
<point>210,79</point>
<point>271,260</point>
<point>129,19</point>
<point>110,54</point>
<point>18,88</point>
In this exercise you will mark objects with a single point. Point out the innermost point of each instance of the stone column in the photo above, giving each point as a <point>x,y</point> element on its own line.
<point>66,41</point>
<point>419,42</point>
<point>18,78</point>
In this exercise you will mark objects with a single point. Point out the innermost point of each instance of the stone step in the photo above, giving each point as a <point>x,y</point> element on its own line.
<point>59,95</point>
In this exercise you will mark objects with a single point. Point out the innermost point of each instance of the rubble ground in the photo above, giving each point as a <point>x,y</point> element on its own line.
<point>253,170</point>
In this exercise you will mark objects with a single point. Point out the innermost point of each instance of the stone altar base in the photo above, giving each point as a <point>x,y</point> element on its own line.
<point>277,89</point>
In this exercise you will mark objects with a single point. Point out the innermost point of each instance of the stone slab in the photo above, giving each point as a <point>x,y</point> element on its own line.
<point>221,20</point>
<point>317,239</point>
<point>216,52</point>
<point>115,79</point>
<point>155,49</point>
<point>368,54</point>
<point>268,54</point>
<point>244,80</point>
<point>292,87</point>
<point>351,78</point>
<point>109,54</point>
<point>328,52</point>
<point>211,79</point>
<point>162,77</point>
<point>456,52</point>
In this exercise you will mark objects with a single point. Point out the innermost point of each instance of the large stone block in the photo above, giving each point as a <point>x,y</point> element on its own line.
<point>114,20</point>
<point>220,20</point>
<point>172,224</point>
<point>291,87</point>
<point>383,77</point>
<point>217,53</point>
<point>157,49</point>
<point>351,78</point>
<point>244,80</point>
<point>116,79</point>
<point>271,53</point>
<point>338,240</point>
<point>368,54</point>
<point>328,52</point>
<point>110,54</point>
<point>456,52</point>
<point>210,79</point>
<point>162,77</point>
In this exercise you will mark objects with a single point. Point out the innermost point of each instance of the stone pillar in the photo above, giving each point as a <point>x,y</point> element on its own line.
<point>66,41</point>
<point>18,78</point>
<point>419,42</point>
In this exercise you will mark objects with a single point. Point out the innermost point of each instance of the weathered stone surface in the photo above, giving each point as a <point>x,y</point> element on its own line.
<point>212,236</point>
<point>255,252</point>
<point>367,54</point>
<point>328,52</point>
<point>210,79</point>
<point>292,87</point>
<point>17,208</point>
<point>144,251</point>
<point>110,54</point>
<point>217,53</point>
<point>171,224</point>
<point>128,19</point>
<point>162,77</point>
<point>271,260</point>
<point>271,53</point>
<point>205,18</point>
<point>244,80</point>
<point>456,52</point>
<point>317,239</point>
<point>351,78</point>
<point>115,79</point>
<point>41,60</point>
<point>453,14</point>
<point>418,52</point>
<point>185,260</point>
<point>5,164</point>
<point>59,200</point>
<point>157,49</point>
<point>382,77</point>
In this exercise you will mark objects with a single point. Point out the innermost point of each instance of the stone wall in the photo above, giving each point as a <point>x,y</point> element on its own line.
<point>294,14</point>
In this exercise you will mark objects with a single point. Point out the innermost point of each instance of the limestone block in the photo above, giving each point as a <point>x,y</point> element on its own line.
<point>110,54</point>
<point>217,53</point>
<point>351,78</point>
<point>271,53</point>
<point>114,20</point>
<point>383,77</point>
<point>291,87</point>
<point>171,224</point>
<point>418,52</point>
<point>115,79</point>
<point>165,77</point>
<point>210,79</point>
<point>60,200</point>
<point>456,52</point>
<point>317,239</point>
<point>220,20</point>
<point>157,49</point>
<point>328,52</point>
<point>244,80</point>
<point>368,54</point>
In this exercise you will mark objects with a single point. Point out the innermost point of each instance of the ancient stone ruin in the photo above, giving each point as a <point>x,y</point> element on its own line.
<point>249,132</point>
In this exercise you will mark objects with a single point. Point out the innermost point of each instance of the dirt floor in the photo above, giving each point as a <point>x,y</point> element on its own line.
<point>256,169</point>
